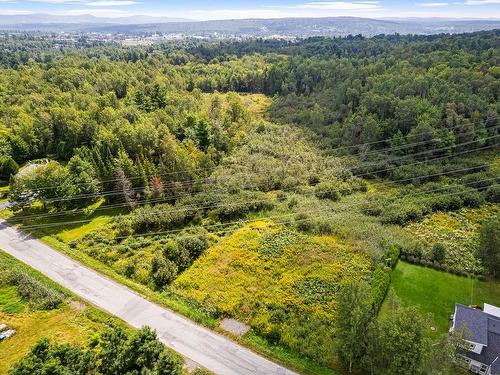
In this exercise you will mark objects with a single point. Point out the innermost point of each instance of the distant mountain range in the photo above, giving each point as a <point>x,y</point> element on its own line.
<point>302,27</point>
<point>85,19</point>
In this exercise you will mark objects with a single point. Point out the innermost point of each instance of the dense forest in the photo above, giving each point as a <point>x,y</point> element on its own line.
<point>269,181</point>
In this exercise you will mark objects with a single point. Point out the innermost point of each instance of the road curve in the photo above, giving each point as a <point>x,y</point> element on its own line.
<point>201,345</point>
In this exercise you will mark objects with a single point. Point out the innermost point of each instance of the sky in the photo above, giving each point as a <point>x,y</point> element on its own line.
<point>234,9</point>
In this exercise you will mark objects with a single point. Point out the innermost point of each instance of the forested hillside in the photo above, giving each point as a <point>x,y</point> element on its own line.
<point>267,181</point>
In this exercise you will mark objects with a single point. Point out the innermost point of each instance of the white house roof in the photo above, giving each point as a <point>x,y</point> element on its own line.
<point>492,310</point>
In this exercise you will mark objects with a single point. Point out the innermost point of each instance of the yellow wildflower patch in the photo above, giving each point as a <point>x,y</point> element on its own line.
<point>274,279</point>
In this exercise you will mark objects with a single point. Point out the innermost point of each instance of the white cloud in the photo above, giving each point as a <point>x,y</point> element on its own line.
<point>15,12</point>
<point>431,5</point>
<point>96,3</point>
<point>57,1</point>
<point>112,3</point>
<point>481,2</point>
<point>218,14</point>
<point>340,5</point>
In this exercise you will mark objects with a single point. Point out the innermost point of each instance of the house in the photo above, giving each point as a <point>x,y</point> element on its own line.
<point>481,351</point>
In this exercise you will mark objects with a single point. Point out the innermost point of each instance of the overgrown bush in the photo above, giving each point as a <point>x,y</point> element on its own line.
<point>243,205</point>
<point>402,213</point>
<point>39,295</point>
<point>113,352</point>
<point>480,181</point>
<point>303,222</point>
<point>8,168</point>
<point>493,194</point>
<point>155,218</point>
<point>412,204</point>
<point>391,256</point>
<point>163,271</point>
<point>438,252</point>
<point>327,190</point>
<point>195,245</point>
<point>177,254</point>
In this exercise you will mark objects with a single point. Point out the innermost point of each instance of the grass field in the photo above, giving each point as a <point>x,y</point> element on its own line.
<point>437,292</point>
<point>73,322</point>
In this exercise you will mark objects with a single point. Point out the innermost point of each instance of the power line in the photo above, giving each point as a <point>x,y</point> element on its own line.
<point>273,217</point>
<point>40,226</point>
<point>172,184</point>
<point>160,200</point>
<point>120,192</point>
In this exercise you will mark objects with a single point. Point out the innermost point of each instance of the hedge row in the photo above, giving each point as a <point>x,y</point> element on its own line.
<point>439,266</point>
<point>381,279</point>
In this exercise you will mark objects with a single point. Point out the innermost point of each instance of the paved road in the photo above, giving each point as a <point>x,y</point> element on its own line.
<point>5,205</point>
<point>209,349</point>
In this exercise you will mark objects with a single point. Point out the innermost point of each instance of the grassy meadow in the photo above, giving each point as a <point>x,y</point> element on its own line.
<point>280,282</point>
<point>458,232</point>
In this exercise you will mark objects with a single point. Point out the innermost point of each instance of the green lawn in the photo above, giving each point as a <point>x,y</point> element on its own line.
<point>437,292</point>
<point>75,225</point>
<point>10,301</point>
<point>4,188</point>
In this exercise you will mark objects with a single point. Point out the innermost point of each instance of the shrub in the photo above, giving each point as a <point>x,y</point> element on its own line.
<point>373,208</point>
<point>493,194</point>
<point>443,202</point>
<point>303,223</point>
<point>160,217</point>
<point>324,227</point>
<point>391,256</point>
<point>438,252</point>
<point>292,202</point>
<point>113,352</point>
<point>402,214</point>
<point>8,168</point>
<point>235,209</point>
<point>480,181</point>
<point>281,196</point>
<point>417,251</point>
<point>489,249</point>
<point>195,245</point>
<point>38,294</point>
<point>177,254</point>
<point>327,190</point>
<point>163,271</point>
<point>473,198</point>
